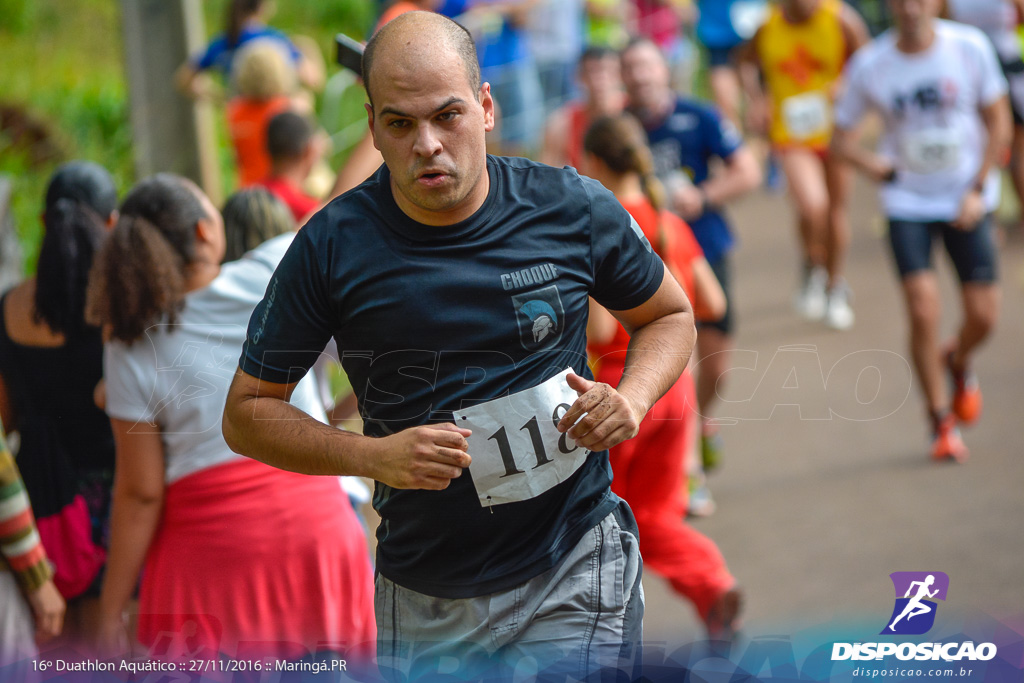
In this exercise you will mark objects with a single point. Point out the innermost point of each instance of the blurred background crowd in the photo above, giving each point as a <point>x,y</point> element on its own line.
<point>289,133</point>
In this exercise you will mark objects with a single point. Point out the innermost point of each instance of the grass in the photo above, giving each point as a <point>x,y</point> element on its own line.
<point>71,81</point>
<point>64,65</point>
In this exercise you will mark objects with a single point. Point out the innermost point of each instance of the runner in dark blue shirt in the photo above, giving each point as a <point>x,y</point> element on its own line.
<point>452,281</point>
<point>431,320</point>
<point>685,138</point>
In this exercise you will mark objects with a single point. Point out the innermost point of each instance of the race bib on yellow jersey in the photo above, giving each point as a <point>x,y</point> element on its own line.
<point>518,453</point>
<point>807,115</point>
<point>931,150</point>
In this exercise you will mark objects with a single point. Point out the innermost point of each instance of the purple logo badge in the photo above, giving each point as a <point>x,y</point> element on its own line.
<point>914,611</point>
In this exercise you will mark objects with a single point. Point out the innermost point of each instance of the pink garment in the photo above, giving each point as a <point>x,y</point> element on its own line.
<point>252,561</point>
<point>657,21</point>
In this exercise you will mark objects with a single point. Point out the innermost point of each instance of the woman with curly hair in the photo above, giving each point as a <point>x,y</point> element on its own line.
<point>232,553</point>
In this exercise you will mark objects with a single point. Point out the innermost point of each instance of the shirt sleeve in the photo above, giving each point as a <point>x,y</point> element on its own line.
<point>20,546</point>
<point>852,102</point>
<point>993,82</point>
<point>292,324</point>
<point>127,397</point>
<point>208,58</point>
<point>627,272</point>
<point>723,137</point>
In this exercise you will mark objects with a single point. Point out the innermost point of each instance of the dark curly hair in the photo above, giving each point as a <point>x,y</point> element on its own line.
<point>139,276</point>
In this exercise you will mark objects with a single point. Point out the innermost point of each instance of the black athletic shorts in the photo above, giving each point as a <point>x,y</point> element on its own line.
<point>973,252</point>
<point>719,56</point>
<point>721,268</point>
<point>1014,70</point>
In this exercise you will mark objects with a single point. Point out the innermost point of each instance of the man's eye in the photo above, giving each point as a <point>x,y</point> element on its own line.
<point>398,123</point>
<point>447,116</point>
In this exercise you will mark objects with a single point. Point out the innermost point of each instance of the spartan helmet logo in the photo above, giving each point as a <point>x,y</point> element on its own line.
<point>545,321</point>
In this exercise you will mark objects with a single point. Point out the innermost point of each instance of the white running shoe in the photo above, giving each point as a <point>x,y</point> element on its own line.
<point>811,299</point>
<point>699,503</point>
<point>838,312</point>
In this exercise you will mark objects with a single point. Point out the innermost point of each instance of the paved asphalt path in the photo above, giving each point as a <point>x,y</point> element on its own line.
<point>814,514</point>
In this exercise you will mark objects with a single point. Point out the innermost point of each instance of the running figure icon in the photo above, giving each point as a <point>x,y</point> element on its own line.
<point>915,607</point>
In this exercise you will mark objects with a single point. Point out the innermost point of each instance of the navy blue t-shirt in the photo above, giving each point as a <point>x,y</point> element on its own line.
<point>688,139</point>
<point>433,319</point>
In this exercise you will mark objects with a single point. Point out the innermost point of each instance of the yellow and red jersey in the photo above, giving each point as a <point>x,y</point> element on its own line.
<point>802,63</point>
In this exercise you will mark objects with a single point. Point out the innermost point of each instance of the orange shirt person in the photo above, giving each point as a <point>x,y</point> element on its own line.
<point>267,86</point>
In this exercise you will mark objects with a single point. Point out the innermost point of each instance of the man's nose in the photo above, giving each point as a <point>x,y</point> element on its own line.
<point>427,142</point>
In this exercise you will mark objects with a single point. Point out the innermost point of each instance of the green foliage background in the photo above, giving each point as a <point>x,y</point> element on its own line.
<point>63,62</point>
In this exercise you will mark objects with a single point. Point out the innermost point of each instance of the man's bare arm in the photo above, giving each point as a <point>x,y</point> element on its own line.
<point>748,67</point>
<point>845,147</point>
<point>662,335</point>
<point>261,424</point>
<point>740,175</point>
<point>855,31</point>
<point>998,123</point>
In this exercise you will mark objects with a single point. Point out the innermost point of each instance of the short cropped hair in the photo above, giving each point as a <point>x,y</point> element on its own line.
<point>456,35</point>
<point>288,135</point>
<point>595,52</point>
<point>641,40</point>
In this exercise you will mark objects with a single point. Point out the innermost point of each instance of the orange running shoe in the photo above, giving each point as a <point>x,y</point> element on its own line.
<point>966,393</point>
<point>947,443</point>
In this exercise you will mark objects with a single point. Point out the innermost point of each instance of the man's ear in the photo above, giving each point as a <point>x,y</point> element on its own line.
<point>487,102</point>
<point>204,230</point>
<point>316,148</point>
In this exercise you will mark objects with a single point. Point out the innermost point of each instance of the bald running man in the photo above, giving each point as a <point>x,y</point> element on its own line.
<point>456,285</point>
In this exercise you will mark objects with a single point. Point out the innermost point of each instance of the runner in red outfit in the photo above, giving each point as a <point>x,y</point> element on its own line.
<point>649,469</point>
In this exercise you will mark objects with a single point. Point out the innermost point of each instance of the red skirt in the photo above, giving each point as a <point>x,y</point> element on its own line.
<point>252,561</point>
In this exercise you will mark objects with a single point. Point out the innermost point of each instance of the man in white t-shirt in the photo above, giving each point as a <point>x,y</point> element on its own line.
<point>942,95</point>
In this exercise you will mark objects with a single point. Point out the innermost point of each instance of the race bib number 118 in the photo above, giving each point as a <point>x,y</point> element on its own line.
<point>518,452</point>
